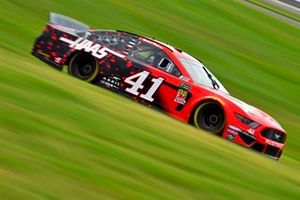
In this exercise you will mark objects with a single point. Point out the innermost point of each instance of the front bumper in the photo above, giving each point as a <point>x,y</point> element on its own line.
<point>253,141</point>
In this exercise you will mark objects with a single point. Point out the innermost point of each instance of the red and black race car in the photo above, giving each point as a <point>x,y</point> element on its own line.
<point>159,76</point>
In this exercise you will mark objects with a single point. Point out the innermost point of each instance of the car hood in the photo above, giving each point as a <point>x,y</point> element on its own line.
<point>251,112</point>
<point>255,113</point>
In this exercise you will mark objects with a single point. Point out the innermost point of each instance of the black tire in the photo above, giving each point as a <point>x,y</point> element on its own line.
<point>83,66</point>
<point>210,117</point>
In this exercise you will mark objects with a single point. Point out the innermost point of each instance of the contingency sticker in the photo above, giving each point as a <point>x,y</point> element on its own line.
<point>182,93</point>
<point>112,82</point>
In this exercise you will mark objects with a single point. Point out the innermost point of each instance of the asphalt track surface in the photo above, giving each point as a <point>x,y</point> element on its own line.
<point>292,6</point>
<point>287,6</point>
<point>294,3</point>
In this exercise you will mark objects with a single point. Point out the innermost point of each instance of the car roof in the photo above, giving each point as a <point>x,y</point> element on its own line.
<point>152,41</point>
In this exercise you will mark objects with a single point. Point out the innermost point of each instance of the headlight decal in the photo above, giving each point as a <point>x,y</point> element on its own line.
<point>247,121</point>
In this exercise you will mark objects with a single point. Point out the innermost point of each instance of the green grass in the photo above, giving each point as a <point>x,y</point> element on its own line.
<point>61,138</point>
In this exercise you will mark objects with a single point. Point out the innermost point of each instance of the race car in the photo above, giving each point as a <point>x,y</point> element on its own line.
<point>159,76</point>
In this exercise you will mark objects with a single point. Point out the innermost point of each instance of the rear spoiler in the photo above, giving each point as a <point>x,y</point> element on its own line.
<point>58,19</point>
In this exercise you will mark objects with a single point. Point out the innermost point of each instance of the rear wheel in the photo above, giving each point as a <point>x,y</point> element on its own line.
<point>210,117</point>
<point>84,66</point>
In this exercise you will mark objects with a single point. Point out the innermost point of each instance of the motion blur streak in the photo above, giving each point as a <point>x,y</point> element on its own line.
<point>61,138</point>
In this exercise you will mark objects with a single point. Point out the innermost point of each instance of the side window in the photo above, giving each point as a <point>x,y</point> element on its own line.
<point>167,65</point>
<point>115,40</point>
<point>143,52</point>
<point>107,38</point>
<point>154,56</point>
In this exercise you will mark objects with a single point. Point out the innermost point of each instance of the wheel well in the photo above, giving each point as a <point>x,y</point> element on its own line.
<point>74,54</point>
<point>70,58</point>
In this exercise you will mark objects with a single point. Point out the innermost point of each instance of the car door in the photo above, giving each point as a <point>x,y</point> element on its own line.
<point>156,80</point>
<point>173,93</point>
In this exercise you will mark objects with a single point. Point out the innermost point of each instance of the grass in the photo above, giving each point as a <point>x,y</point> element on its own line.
<point>61,138</point>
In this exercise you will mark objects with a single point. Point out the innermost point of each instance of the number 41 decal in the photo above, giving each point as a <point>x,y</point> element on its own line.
<point>138,84</point>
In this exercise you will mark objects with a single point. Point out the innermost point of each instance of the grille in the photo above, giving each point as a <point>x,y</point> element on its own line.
<point>258,147</point>
<point>272,151</point>
<point>246,138</point>
<point>274,135</point>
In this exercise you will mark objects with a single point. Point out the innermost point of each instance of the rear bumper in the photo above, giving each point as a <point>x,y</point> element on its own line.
<point>46,60</point>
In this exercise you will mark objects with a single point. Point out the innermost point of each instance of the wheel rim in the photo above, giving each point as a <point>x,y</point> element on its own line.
<point>84,67</point>
<point>210,117</point>
<point>86,70</point>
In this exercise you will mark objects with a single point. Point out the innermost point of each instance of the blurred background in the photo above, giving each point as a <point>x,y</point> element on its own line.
<point>61,138</point>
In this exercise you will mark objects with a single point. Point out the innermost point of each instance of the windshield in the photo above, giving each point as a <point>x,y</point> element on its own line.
<point>200,74</point>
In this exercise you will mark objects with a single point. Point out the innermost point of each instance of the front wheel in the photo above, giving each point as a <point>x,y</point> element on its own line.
<point>84,66</point>
<point>210,117</point>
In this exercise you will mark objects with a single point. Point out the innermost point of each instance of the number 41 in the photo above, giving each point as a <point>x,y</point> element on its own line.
<point>138,84</point>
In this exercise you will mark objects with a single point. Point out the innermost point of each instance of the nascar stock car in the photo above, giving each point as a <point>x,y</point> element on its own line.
<point>159,76</point>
